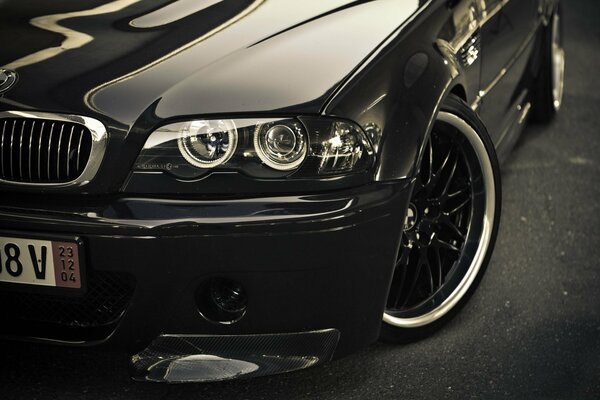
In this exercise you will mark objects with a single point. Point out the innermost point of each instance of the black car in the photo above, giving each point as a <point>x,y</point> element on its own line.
<point>238,188</point>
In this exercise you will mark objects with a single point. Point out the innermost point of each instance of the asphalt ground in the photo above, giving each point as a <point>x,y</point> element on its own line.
<point>531,331</point>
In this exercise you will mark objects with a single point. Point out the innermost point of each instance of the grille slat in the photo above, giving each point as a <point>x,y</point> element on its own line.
<point>79,149</point>
<point>39,157</point>
<point>21,150</point>
<point>30,154</point>
<point>50,149</point>
<point>2,146</point>
<point>60,136</point>
<point>69,150</point>
<point>43,151</point>
<point>12,139</point>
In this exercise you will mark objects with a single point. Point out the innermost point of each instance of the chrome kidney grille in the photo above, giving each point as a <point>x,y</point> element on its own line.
<point>49,151</point>
<point>41,151</point>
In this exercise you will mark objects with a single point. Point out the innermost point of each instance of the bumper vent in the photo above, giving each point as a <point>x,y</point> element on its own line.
<point>90,317</point>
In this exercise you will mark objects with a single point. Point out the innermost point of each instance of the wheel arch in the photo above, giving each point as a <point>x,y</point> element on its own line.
<point>396,95</point>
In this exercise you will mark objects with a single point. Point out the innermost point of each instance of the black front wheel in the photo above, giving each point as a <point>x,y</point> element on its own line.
<point>450,227</point>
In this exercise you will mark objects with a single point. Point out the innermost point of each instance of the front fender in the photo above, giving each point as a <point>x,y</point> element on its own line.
<point>395,96</point>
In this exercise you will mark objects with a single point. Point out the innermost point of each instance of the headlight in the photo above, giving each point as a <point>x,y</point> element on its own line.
<point>207,144</point>
<point>262,148</point>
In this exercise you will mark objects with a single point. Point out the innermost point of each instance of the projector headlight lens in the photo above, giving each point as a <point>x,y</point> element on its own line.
<point>281,145</point>
<point>208,143</point>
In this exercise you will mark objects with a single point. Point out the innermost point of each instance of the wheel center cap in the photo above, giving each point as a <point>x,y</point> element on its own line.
<point>411,217</point>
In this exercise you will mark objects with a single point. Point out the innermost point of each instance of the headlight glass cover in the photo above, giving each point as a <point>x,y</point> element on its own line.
<point>262,148</point>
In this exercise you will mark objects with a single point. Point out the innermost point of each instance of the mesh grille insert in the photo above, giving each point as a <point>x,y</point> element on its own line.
<point>104,302</point>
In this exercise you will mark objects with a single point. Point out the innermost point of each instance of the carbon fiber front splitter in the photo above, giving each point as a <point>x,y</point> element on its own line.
<point>197,358</point>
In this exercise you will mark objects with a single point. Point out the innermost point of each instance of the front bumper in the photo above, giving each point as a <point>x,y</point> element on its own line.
<point>308,263</point>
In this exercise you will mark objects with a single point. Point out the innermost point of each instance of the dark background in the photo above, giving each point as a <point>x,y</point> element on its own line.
<point>532,330</point>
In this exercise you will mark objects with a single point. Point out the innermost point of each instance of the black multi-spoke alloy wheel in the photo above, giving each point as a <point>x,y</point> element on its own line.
<point>450,226</point>
<point>550,83</point>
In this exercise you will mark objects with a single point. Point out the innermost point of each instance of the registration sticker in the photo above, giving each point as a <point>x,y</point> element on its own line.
<point>40,262</point>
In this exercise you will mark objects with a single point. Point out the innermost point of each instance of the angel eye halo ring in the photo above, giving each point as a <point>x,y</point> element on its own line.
<point>208,143</point>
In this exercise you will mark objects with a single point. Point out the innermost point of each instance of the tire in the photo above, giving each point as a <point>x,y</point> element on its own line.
<point>548,89</point>
<point>451,226</point>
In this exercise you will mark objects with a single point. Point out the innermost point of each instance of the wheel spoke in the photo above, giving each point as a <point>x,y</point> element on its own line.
<point>444,163</point>
<point>445,245</point>
<point>403,259</point>
<point>439,266</point>
<point>400,271</point>
<point>432,185</point>
<point>413,283</point>
<point>451,177</point>
<point>430,155</point>
<point>399,288</point>
<point>430,273</point>
<point>458,192</point>
<point>447,222</point>
<point>458,207</point>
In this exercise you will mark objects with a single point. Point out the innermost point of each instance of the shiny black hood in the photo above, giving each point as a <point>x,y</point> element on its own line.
<point>116,60</point>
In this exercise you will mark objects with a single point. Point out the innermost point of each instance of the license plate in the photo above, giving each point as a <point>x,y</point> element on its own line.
<point>38,262</point>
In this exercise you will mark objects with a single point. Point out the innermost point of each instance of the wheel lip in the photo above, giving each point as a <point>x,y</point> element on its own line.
<point>486,234</point>
<point>558,64</point>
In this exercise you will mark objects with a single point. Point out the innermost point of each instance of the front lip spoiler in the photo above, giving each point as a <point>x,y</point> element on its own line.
<point>203,358</point>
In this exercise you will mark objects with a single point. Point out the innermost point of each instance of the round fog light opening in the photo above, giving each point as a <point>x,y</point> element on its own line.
<point>221,300</point>
<point>229,296</point>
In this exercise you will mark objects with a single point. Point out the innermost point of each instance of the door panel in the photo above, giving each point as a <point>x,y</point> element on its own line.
<point>506,29</point>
